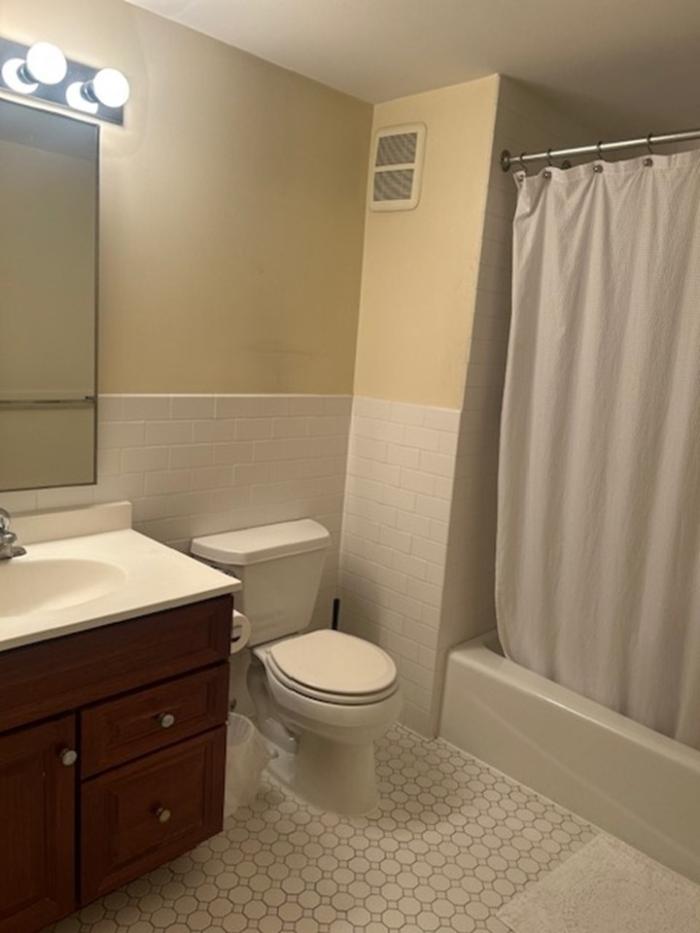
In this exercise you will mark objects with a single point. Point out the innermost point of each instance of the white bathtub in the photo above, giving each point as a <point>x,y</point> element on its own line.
<point>622,776</point>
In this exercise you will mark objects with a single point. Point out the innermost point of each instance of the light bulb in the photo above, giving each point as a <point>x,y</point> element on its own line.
<point>110,88</point>
<point>46,63</point>
<point>77,100</point>
<point>12,76</point>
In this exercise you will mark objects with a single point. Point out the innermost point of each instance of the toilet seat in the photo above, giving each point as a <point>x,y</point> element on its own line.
<point>352,723</point>
<point>340,699</point>
<point>331,667</point>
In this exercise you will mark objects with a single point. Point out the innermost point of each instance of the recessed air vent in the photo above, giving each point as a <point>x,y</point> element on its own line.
<point>397,167</point>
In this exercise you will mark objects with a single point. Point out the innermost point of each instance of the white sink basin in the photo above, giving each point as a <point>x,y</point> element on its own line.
<point>88,567</point>
<point>38,585</point>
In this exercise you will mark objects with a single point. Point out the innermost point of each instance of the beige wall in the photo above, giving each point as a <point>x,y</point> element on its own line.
<point>420,266</point>
<point>232,209</point>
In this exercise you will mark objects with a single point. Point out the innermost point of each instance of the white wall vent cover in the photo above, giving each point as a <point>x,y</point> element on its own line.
<point>397,168</point>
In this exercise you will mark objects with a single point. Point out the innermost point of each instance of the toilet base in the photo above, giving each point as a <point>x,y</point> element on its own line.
<point>333,776</point>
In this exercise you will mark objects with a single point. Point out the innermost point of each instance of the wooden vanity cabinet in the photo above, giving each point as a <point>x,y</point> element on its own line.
<point>37,825</point>
<point>112,756</point>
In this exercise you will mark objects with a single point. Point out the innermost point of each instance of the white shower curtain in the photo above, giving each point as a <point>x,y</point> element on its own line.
<point>598,557</point>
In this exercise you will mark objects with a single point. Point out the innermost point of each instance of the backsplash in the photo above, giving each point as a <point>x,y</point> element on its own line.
<point>200,464</point>
<point>395,530</point>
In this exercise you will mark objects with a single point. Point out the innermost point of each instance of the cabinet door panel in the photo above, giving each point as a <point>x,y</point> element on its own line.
<point>138,816</point>
<point>37,826</point>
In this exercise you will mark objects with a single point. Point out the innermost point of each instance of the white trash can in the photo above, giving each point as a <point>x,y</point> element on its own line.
<point>247,755</point>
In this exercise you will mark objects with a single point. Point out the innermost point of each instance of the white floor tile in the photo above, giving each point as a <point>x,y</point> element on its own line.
<point>451,842</point>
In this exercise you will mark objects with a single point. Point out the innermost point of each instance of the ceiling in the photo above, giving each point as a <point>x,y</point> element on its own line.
<point>628,65</point>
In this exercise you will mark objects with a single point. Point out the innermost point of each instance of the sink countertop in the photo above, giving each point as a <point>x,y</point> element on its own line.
<point>156,577</point>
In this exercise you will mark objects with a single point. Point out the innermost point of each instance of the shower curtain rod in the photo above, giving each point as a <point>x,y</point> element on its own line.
<point>662,139</point>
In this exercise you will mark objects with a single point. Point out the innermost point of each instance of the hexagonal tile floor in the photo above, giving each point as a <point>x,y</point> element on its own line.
<point>451,841</point>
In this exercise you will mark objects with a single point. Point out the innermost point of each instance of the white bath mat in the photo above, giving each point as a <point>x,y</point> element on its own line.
<point>606,887</point>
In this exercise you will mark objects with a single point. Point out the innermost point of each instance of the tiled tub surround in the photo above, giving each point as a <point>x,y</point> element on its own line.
<point>395,527</point>
<point>200,464</point>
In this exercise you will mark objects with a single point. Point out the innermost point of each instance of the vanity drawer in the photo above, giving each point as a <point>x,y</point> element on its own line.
<point>138,816</point>
<point>126,728</point>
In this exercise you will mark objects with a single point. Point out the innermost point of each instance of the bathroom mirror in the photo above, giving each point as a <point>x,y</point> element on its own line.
<point>49,169</point>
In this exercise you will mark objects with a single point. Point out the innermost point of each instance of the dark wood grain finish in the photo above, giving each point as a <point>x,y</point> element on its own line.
<point>122,836</point>
<point>37,826</point>
<point>124,729</point>
<point>41,680</point>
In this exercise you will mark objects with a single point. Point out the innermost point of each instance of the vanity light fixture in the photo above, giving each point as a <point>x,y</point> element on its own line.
<point>76,99</point>
<point>11,77</point>
<point>45,64</point>
<point>43,72</point>
<point>108,87</point>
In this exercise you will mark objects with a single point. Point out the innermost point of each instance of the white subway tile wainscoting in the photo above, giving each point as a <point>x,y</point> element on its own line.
<point>200,464</point>
<point>394,544</point>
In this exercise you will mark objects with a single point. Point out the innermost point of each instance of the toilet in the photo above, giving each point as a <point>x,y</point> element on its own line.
<point>322,697</point>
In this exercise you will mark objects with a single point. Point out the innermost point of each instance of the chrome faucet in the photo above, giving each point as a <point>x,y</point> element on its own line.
<point>8,539</point>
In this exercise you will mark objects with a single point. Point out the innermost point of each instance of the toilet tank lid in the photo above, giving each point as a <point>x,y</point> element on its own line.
<point>252,545</point>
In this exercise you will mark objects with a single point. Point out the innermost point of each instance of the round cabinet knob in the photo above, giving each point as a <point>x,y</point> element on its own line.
<point>163,815</point>
<point>68,757</point>
<point>166,720</point>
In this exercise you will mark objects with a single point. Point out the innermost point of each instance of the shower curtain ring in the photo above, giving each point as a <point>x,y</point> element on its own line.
<point>648,161</point>
<point>549,158</point>
<point>598,146</point>
<point>521,158</point>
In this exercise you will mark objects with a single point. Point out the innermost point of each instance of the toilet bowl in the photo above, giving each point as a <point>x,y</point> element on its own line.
<point>323,697</point>
<point>338,693</point>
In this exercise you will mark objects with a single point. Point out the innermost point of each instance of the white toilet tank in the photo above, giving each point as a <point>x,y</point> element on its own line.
<point>280,568</point>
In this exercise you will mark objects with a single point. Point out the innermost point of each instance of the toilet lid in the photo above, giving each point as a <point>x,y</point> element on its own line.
<point>331,662</point>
